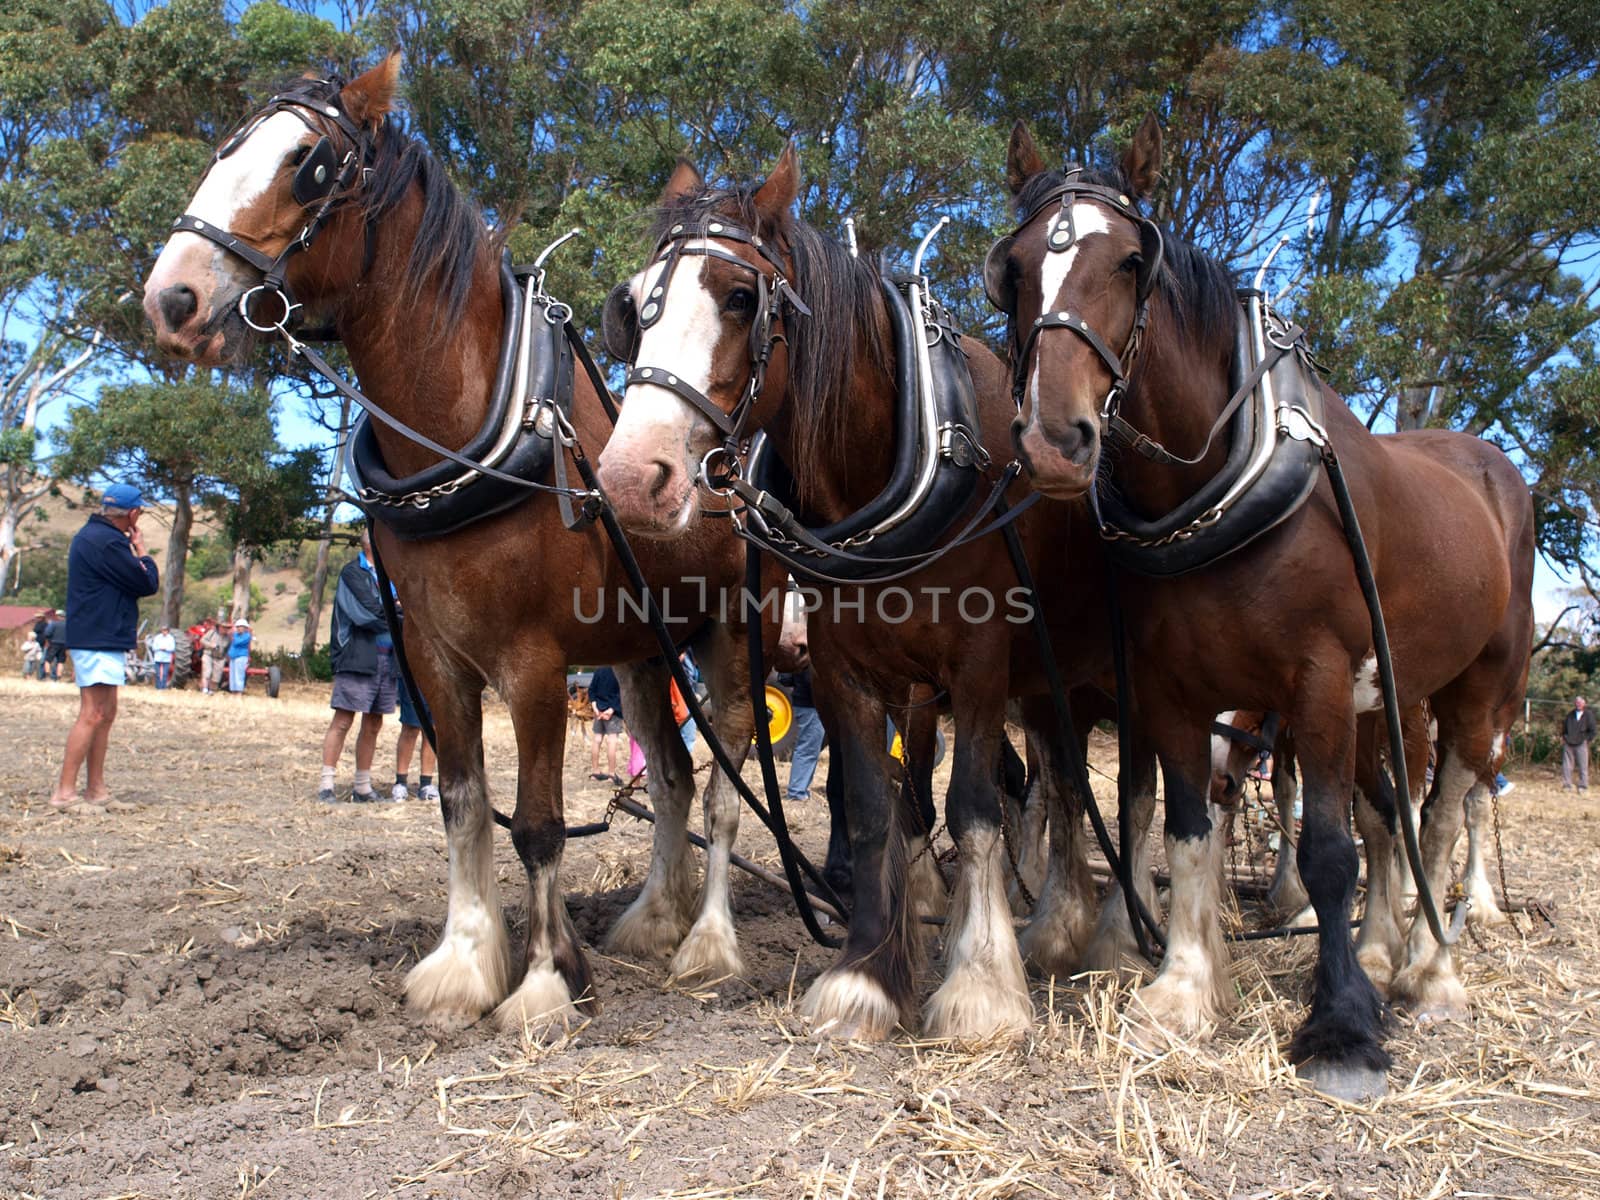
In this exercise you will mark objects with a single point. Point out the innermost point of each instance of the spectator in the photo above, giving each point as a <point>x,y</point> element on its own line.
<point>363,674</point>
<point>410,732</point>
<point>55,639</point>
<point>239,656</point>
<point>32,655</point>
<point>606,696</point>
<point>808,737</point>
<point>162,646</point>
<point>107,572</point>
<point>680,707</point>
<point>1577,731</point>
<point>211,645</point>
<point>41,634</point>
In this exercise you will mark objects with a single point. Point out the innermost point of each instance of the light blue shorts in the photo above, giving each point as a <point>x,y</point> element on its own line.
<point>99,666</point>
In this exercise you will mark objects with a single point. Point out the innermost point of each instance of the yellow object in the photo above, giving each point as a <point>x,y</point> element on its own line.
<point>897,748</point>
<point>780,714</point>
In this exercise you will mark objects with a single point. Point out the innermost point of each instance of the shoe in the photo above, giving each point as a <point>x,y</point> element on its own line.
<point>600,775</point>
<point>788,799</point>
<point>327,797</point>
<point>398,794</point>
<point>430,794</point>
<point>618,780</point>
<point>363,797</point>
<point>1508,789</point>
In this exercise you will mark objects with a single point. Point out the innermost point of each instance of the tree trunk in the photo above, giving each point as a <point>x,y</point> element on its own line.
<point>319,577</point>
<point>177,557</point>
<point>244,561</point>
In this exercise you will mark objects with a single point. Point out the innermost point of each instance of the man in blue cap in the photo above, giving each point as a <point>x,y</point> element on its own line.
<point>107,572</point>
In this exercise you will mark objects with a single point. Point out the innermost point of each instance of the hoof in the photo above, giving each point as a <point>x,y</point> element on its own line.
<point>710,952</point>
<point>979,1006</point>
<point>649,929</point>
<point>849,1006</point>
<point>1378,963</point>
<point>1485,912</point>
<point>541,1008</point>
<point>462,979</point>
<point>1431,990</point>
<point>1054,941</point>
<point>1165,1013</point>
<point>1349,1082</point>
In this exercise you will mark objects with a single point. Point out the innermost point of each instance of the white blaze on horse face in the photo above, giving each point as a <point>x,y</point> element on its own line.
<point>1087,218</point>
<point>239,180</point>
<point>681,343</point>
<point>1368,696</point>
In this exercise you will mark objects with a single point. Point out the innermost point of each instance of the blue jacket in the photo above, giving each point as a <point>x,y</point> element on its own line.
<point>357,621</point>
<point>239,647</point>
<point>605,692</point>
<point>104,583</point>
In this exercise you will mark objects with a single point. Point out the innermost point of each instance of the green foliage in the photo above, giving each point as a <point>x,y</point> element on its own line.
<point>43,575</point>
<point>209,556</point>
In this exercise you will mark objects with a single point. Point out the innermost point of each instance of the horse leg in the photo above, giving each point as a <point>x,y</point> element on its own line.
<point>556,979</point>
<point>1379,943</point>
<point>466,974</point>
<point>1054,940</point>
<point>654,924</point>
<point>1339,1046</point>
<point>868,989</point>
<point>918,741</point>
<point>1428,980</point>
<point>1113,947</point>
<point>985,991</point>
<point>1485,911</point>
<point>1286,895</point>
<point>1025,825</point>
<point>711,948</point>
<point>1192,989</point>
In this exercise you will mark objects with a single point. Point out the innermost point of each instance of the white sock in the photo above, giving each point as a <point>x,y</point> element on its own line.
<point>363,783</point>
<point>327,779</point>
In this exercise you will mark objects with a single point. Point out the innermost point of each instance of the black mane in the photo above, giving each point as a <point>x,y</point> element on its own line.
<point>451,233</point>
<point>843,294</point>
<point>1198,288</point>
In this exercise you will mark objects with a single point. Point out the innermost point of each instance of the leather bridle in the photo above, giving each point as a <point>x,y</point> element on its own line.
<point>1061,235</point>
<point>624,321</point>
<point>323,183</point>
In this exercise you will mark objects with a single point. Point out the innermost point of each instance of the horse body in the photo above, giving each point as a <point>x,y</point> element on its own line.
<point>504,602</point>
<point>836,435</point>
<point>1280,623</point>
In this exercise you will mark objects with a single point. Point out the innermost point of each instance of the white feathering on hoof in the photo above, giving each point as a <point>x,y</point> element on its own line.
<point>711,951</point>
<point>541,1006</point>
<point>985,992</point>
<point>1192,989</point>
<point>468,972</point>
<point>653,925</point>
<point>849,1005</point>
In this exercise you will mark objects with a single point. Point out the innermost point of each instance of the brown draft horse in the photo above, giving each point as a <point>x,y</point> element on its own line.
<point>1279,624</point>
<point>827,403</point>
<point>498,602</point>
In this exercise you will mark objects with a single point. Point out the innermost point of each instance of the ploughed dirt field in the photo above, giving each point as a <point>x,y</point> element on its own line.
<point>202,999</point>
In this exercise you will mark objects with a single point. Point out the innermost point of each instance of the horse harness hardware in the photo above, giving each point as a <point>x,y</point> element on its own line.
<point>1061,236</point>
<point>323,183</point>
<point>622,325</point>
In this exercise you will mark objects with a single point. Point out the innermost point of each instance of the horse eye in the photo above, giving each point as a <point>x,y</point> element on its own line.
<point>299,156</point>
<point>1132,263</point>
<point>740,300</point>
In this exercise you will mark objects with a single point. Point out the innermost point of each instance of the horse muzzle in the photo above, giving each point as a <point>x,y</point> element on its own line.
<point>1059,464</point>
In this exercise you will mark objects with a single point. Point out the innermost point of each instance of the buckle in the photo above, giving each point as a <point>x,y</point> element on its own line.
<point>275,326</point>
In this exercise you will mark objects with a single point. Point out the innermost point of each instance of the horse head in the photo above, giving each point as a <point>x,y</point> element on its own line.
<point>248,240</point>
<point>1074,280</point>
<point>704,330</point>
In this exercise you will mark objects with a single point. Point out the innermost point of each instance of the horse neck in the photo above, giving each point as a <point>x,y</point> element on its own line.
<point>437,382</point>
<point>1179,389</point>
<point>848,469</point>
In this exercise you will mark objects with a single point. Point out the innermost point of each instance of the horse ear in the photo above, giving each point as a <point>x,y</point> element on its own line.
<point>369,97</point>
<point>1142,163</point>
<point>774,197</point>
<point>1022,158</point>
<point>685,181</point>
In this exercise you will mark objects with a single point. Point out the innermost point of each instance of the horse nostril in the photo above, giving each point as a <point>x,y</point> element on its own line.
<point>178,304</point>
<point>1078,443</point>
<point>663,477</point>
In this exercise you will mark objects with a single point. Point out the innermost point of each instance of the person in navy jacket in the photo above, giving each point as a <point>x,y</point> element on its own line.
<point>107,573</point>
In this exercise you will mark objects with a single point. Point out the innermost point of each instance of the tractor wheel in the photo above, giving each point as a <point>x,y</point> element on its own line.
<point>182,658</point>
<point>897,748</point>
<point>274,681</point>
